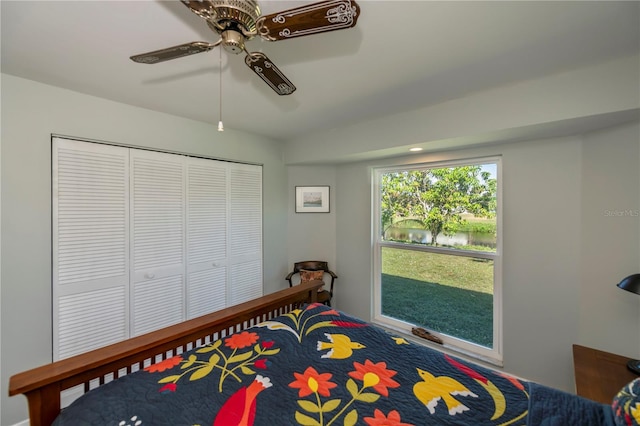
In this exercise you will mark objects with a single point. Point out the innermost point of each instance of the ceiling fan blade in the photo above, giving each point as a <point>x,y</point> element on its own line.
<point>203,8</point>
<point>271,75</point>
<point>315,18</point>
<point>173,52</point>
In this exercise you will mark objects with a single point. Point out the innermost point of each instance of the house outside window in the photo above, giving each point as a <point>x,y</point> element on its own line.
<point>437,253</point>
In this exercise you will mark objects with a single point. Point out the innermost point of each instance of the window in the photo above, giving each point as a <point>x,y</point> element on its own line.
<point>437,253</point>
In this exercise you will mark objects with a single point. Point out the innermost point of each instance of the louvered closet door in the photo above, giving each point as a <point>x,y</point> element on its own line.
<point>90,247</point>
<point>245,233</point>
<point>207,205</point>
<point>157,240</point>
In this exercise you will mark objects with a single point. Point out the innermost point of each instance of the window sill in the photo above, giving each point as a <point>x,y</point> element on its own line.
<point>446,347</point>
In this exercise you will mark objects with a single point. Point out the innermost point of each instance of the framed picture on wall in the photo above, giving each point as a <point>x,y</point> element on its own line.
<point>312,199</point>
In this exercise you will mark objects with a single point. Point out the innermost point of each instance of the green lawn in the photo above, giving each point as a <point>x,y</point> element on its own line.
<point>445,293</point>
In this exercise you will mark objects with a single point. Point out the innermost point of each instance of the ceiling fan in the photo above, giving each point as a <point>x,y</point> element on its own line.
<point>237,21</point>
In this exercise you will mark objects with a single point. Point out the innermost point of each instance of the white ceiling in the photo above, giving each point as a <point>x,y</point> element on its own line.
<point>401,55</point>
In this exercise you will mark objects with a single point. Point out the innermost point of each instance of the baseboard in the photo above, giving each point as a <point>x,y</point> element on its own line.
<point>22,423</point>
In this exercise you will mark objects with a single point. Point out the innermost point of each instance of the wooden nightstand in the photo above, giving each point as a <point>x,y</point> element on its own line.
<point>600,375</point>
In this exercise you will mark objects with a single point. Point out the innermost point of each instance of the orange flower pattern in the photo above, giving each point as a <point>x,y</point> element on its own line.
<point>372,375</point>
<point>241,340</point>
<point>164,365</point>
<point>375,375</point>
<point>379,419</point>
<point>312,382</point>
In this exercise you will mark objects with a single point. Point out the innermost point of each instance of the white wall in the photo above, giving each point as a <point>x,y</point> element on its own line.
<point>312,236</point>
<point>586,97</point>
<point>610,214</point>
<point>31,112</point>
<point>562,254</point>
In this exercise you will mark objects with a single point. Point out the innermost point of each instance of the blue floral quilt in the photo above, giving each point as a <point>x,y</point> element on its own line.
<point>317,366</point>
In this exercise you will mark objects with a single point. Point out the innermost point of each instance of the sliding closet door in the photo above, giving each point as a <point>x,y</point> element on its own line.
<point>224,234</point>
<point>90,223</point>
<point>245,233</point>
<point>157,240</point>
<point>144,239</point>
<point>207,193</point>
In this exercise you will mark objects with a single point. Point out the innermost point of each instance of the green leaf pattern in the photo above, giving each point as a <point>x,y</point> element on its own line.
<point>319,409</point>
<point>231,364</point>
<point>300,323</point>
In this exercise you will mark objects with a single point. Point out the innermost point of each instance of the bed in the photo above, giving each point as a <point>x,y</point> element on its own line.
<point>284,360</point>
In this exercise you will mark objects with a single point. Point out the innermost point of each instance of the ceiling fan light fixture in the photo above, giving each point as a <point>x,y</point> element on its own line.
<point>232,41</point>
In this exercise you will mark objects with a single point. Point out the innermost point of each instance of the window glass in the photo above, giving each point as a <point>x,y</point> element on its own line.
<point>446,293</point>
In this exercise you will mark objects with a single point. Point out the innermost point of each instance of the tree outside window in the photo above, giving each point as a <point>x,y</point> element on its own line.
<point>437,200</point>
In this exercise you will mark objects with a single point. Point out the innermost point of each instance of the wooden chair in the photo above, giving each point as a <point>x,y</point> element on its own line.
<point>324,295</point>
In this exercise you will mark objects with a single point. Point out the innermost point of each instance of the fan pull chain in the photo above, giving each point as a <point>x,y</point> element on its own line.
<point>220,125</point>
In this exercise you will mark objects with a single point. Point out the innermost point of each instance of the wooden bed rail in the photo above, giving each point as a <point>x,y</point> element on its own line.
<point>42,385</point>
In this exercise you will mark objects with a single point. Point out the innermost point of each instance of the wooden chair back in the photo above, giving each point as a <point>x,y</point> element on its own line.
<point>324,296</point>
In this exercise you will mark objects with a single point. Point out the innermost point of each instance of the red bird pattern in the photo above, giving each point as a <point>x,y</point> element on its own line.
<point>240,408</point>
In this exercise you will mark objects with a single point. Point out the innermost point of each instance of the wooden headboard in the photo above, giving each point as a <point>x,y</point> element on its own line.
<point>42,385</point>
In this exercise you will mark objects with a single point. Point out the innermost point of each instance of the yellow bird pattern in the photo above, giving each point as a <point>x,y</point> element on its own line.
<point>433,389</point>
<point>339,345</point>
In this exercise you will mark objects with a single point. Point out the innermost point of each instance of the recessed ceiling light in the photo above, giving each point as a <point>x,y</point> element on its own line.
<point>416,149</point>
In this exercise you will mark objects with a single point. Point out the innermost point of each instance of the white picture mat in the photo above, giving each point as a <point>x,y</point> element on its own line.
<point>312,199</point>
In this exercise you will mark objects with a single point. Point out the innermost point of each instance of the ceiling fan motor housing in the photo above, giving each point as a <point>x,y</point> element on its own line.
<point>240,15</point>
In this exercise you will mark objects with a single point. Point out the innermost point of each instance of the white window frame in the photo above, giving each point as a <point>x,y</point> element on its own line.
<point>450,343</point>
